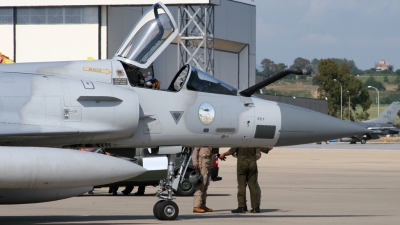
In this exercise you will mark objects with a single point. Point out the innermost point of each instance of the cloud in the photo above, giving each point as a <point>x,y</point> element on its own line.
<point>319,38</point>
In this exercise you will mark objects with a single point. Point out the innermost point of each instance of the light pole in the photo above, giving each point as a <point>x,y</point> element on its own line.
<point>378,95</point>
<point>349,103</point>
<point>341,98</point>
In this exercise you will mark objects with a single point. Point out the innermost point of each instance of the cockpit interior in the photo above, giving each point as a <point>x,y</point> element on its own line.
<point>190,77</point>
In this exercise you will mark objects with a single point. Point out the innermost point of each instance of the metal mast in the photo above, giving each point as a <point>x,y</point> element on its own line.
<point>196,37</point>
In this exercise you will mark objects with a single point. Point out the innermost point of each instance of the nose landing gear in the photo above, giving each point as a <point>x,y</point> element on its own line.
<point>167,209</point>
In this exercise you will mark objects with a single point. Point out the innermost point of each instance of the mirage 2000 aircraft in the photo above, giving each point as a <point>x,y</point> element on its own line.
<point>47,108</point>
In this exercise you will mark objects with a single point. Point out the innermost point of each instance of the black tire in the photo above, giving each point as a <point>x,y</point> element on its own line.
<point>185,188</point>
<point>363,141</point>
<point>155,209</point>
<point>168,210</point>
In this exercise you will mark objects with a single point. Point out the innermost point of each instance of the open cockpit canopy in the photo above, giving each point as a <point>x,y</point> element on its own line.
<point>148,38</point>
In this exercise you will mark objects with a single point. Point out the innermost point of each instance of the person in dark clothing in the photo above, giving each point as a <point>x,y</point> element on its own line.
<point>128,190</point>
<point>247,174</point>
<point>140,190</point>
<point>113,190</point>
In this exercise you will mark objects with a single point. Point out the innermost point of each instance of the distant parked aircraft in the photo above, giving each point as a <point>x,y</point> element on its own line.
<point>381,125</point>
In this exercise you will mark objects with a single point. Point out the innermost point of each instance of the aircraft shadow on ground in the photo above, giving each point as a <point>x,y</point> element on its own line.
<point>102,219</point>
<point>145,195</point>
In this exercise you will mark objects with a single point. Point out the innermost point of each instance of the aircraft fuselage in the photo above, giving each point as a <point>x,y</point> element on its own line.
<point>80,103</point>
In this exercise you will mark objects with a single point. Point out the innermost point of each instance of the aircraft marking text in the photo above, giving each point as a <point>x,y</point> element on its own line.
<point>120,81</point>
<point>97,70</point>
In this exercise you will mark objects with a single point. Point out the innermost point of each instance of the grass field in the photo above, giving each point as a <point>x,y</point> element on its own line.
<point>380,78</point>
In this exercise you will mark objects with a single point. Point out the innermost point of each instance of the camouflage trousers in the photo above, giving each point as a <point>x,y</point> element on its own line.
<point>247,174</point>
<point>200,196</point>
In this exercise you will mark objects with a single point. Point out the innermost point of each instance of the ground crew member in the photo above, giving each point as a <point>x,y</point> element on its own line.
<point>201,158</point>
<point>247,174</point>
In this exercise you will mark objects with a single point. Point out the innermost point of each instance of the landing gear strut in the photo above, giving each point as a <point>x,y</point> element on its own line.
<point>166,208</point>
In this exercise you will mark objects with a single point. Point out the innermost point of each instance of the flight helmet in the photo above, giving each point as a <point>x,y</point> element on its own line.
<point>195,177</point>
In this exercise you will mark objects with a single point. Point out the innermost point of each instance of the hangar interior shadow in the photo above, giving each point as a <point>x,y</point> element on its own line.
<point>145,195</point>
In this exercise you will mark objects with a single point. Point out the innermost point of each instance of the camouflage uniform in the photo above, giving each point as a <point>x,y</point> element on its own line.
<point>201,156</point>
<point>247,174</point>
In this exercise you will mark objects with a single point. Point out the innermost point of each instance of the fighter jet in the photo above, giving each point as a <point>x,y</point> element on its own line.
<point>382,125</point>
<point>109,104</point>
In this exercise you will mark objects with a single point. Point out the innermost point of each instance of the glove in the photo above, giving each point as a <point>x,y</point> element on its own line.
<point>219,156</point>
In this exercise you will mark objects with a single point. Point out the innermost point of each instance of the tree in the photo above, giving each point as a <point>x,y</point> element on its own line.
<point>365,102</point>
<point>398,72</point>
<point>369,71</point>
<point>351,64</point>
<point>385,79</point>
<point>258,73</point>
<point>300,63</point>
<point>314,65</point>
<point>372,82</point>
<point>270,68</point>
<point>282,66</point>
<point>393,97</point>
<point>328,70</point>
<point>340,62</point>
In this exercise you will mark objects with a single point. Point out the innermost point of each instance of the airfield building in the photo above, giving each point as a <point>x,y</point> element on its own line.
<point>383,65</point>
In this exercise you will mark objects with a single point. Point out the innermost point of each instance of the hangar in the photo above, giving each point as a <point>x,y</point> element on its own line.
<point>217,36</point>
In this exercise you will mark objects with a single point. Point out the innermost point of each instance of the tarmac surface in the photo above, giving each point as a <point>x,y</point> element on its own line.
<point>334,183</point>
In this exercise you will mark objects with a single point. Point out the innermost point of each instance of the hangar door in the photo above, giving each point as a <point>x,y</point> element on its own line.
<point>56,33</point>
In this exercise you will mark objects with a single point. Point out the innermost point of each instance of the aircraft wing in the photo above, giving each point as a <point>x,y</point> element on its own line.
<point>380,128</point>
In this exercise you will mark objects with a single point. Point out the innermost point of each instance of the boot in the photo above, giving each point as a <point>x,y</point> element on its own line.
<point>239,210</point>
<point>206,209</point>
<point>127,190</point>
<point>198,210</point>
<point>141,190</point>
<point>255,210</point>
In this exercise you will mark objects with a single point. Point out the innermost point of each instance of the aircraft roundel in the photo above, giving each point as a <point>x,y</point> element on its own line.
<point>206,113</point>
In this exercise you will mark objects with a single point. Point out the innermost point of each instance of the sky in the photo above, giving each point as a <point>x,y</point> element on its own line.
<point>365,31</point>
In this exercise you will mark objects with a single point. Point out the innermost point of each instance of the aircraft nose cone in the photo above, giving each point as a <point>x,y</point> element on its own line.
<point>301,126</point>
